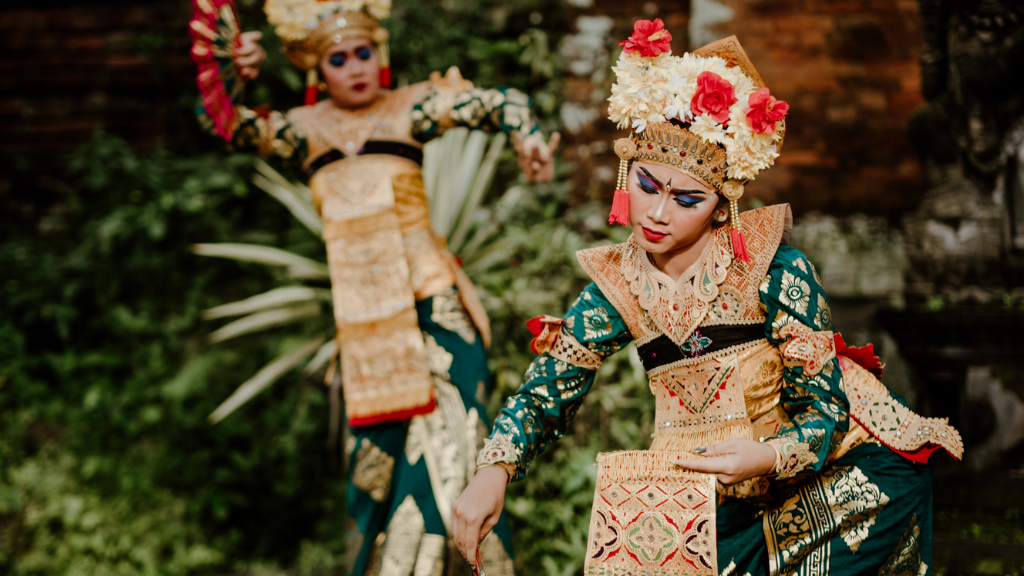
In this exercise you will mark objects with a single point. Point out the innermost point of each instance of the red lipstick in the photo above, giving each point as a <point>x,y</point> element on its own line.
<point>653,236</point>
<point>359,87</point>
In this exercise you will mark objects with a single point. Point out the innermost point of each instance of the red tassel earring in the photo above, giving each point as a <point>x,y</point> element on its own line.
<point>733,190</point>
<point>312,86</point>
<point>380,36</point>
<point>625,149</point>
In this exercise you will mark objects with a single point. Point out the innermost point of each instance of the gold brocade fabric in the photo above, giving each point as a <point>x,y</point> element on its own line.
<point>446,441</point>
<point>382,253</point>
<point>799,531</point>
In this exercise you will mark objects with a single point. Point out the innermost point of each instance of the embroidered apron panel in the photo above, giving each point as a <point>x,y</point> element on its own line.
<point>651,517</point>
<point>385,374</point>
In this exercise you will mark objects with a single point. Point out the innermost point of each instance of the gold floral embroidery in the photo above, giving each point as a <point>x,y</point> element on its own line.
<point>782,319</point>
<point>799,532</point>
<point>395,553</point>
<point>795,294</point>
<point>905,560</point>
<point>438,359</point>
<point>823,316</point>
<point>799,263</point>
<point>372,472</point>
<point>794,456</point>
<point>596,323</point>
<point>449,313</point>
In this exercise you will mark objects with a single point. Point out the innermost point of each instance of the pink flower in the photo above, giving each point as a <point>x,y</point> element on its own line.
<point>649,38</point>
<point>763,111</point>
<point>713,97</point>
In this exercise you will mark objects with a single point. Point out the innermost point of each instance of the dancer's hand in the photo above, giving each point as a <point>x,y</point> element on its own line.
<point>536,157</point>
<point>477,509</point>
<point>249,55</point>
<point>734,460</point>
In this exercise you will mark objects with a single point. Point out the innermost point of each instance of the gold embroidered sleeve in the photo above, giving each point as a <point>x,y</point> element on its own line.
<point>557,381</point>
<point>266,134</point>
<point>812,394</point>
<point>495,110</point>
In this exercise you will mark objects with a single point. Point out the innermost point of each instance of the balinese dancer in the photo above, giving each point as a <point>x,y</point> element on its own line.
<point>411,331</point>
<point>819,467</point>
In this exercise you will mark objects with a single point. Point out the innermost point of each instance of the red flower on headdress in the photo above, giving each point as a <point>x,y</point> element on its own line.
<point>763,111</point>
<point>713,97</point>
<point>649,38</point>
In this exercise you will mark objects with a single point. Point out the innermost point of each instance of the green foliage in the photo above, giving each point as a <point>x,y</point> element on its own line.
<point>107,463</point>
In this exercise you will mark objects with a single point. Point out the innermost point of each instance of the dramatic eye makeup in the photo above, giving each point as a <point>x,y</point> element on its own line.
<point>363,53</point>
<point>685,198</point>
<point>337,60</point>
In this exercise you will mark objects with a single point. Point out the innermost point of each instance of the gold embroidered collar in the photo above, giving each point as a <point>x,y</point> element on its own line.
<point>677,307</point>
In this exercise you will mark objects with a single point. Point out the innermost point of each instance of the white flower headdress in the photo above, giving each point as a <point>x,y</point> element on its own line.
<point>707,112</point>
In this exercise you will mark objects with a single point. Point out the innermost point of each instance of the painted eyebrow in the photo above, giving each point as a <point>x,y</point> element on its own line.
<point>673,190</point>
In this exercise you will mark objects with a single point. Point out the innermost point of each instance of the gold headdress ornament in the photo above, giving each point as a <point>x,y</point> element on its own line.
<point>308,27</point>
<point>707,112</point>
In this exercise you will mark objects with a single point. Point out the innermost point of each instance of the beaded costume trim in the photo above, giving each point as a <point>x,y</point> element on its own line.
<point>913,436</point>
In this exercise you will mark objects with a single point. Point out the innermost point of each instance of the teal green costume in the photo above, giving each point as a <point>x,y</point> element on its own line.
<point>841,502</point>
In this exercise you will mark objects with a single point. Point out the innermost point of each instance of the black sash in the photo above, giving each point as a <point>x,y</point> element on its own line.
<point>705,340</point>
<point>400,149</point>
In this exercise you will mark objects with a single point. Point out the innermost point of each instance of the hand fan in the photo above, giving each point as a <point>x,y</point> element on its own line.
<point>214,29</point>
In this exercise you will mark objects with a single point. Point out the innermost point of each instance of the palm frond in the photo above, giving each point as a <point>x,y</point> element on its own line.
<point>456,174</point>
<point>298,266</point>
<point>265,377</point>
<point>272,299</point>
<point>322,356</point>
<point>264,320</point>
<point>481,183</point>
<point>294,196</point>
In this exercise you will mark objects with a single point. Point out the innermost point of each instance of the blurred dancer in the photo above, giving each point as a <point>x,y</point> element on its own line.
<point>411,330</point>
<point>819,467</point>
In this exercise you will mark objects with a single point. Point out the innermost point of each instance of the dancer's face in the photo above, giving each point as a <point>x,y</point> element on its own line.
<point>352,72</point>
<point>669,210</point>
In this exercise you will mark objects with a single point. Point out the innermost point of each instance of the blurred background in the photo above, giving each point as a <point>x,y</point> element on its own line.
<point>903,162</point>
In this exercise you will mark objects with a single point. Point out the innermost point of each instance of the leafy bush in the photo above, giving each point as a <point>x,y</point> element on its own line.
<point>107,464</point>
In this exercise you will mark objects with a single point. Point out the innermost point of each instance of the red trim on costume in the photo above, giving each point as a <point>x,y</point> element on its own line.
<point>864,356</point>
<point>393,416</point>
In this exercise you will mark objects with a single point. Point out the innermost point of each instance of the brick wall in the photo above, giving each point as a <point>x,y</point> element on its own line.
<point>66,72</point>
<point>848,68</point>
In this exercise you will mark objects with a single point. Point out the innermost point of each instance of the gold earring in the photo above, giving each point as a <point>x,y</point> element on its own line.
<point>721,214</point>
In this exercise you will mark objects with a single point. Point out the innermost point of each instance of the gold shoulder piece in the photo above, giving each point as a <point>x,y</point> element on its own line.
<point>452,81</point>
<point>893,424</point>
